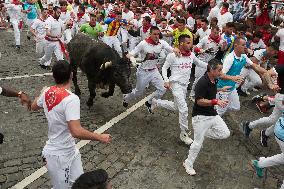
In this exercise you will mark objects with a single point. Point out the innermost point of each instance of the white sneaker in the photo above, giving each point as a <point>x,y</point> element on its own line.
<point>189,170</point>
<point>185,138</point>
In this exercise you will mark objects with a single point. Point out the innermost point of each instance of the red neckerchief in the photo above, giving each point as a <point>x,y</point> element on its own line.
<point>80,15</point>
<point>63,10</point>
<point>54,96</point>
<point>50,12</point>
<point>190,15</point>
<point>224,10</point>
<point>185,53</point>
<point>146,27</point>
<point>165,13</point>
<point>198,25</point>
<point>151,41</point>
<point>215,39</point>
<point>17,3</point>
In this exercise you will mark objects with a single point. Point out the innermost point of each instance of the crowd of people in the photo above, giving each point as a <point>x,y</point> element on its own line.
<point>232,47</point>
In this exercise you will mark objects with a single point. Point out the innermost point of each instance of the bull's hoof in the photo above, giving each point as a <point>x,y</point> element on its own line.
<point>90,103</point>
<point>105,95</point>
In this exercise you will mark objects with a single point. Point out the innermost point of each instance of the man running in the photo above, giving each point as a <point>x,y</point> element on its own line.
<point>180,74</point>
<point>205,120</point>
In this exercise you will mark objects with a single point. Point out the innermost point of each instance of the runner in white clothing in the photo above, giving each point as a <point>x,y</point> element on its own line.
<point>178,82</point>
<point>38,30</point>
<point>14,11</point>
<point>148,72</point>
<point>62,110</point>
<point>54,32</point>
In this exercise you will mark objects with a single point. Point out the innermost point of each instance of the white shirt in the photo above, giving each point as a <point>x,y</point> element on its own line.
<point>190,23</point>
<point>280,33</point>
<point>65,16</point>
<point>1,90</point>
<point>56,27</point>
<point>259,45</point>
<point>229,60</point>
<point>40,27</point>
<point>128,16</point>
<point>214,12</point>
<point>144,48</point>
<point>224,19</point>
<point>208,44</point>
<point>85,19</point>
<point>58,113</point>
<point>168,29</point>
<point>180,67</point>
<point>144,35</point>
<point>201,33</point>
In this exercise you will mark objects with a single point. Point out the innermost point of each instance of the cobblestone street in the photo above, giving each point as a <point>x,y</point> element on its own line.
<point>145,151</point>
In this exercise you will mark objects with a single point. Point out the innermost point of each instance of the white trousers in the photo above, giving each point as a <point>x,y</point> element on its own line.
<point>205,126</point>
<point>266,121</point>
<point>199,72</point>
<point>40,46</point>
<point>252,79</point>
<point>17,33</point>
<point>51,46</point>
<point>232,97</point>
<point>273,160</point>
<point>179,92</point>
<point>143,79</point>
<point>64,170</point>
<point>113,42</point>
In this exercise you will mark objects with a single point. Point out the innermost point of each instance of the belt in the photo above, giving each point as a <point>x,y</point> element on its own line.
<point>62,46</point>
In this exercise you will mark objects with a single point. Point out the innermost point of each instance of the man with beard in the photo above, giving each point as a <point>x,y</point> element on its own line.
<point>55,28</point>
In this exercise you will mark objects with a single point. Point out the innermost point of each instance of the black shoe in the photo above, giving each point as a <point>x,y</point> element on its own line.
<point>18,47</point>
<point>29,37</point>
<point>44,67</point>
<point>258,98</point>
<point>148,106</point>
<point>263,138</point>
<point>125,104</point>
<point>245,128</point>
<point>241,92</point>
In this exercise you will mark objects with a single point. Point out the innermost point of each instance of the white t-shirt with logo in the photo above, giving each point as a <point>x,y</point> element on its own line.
<point>59,108</point>
<point>180,67</point>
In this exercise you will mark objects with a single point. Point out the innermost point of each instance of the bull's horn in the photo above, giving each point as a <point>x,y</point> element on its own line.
<point>106,65</point>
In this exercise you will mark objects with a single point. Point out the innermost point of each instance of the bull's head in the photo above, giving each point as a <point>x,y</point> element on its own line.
<point>121,73</point>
